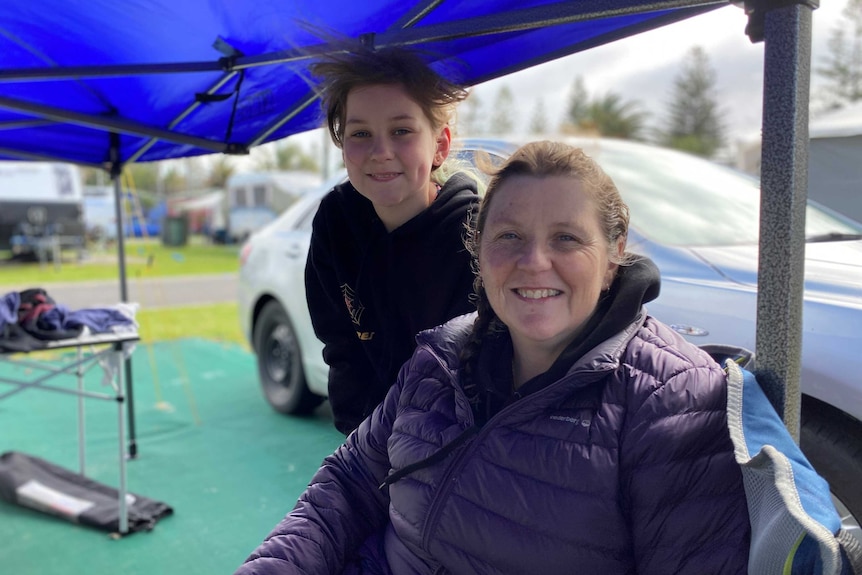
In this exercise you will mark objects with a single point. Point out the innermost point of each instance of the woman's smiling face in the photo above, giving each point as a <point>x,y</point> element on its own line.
<point>544,260</point>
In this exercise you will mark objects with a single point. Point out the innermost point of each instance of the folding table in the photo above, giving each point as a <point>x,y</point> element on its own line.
<point>105,349</point>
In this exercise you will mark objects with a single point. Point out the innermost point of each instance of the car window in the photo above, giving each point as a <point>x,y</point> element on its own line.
<point>678,199</point>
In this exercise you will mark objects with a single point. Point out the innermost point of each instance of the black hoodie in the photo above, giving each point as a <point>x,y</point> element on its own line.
<point>371,291</point>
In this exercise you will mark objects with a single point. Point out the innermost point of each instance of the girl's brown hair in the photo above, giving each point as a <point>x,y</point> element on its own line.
<point>341,72</point>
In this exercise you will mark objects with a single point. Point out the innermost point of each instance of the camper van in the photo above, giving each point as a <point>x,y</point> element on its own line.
<point>41,206</point>
<point>255,198</point>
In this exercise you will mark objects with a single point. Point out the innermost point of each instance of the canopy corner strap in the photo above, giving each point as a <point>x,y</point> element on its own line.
<point>785,28</point>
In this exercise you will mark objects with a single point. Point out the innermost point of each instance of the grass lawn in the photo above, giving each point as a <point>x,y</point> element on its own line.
<point>149,258</point>
<point>143,258</point>
<point>216,322</point>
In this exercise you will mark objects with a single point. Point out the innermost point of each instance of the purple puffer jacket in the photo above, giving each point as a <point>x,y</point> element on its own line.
<point>624,465</point>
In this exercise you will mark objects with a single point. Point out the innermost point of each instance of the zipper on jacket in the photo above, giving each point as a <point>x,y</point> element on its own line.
<point>437,502</point>
<point>446,483</point>
<point>447,480</point>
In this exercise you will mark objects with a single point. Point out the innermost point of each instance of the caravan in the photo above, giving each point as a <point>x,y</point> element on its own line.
<point>256,198</point>
<point>41,207</point>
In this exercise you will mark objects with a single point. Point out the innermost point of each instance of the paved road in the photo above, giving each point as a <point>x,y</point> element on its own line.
<point>149,292</point>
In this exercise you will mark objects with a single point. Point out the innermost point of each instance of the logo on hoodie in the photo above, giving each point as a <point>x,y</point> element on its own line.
<point>354,306</point>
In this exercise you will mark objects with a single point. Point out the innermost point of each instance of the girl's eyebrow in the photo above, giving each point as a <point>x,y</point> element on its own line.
<point>398,118</point>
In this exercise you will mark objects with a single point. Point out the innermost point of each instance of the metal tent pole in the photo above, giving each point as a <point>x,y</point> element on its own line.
<point>116,168</point>
<point>786,28</point>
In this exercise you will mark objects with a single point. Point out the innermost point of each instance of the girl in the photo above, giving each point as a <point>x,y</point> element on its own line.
<point>387,258</point>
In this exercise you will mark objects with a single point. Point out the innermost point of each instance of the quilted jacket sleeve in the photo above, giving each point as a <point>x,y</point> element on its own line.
<point>682,487</point>
<point>341,508</point>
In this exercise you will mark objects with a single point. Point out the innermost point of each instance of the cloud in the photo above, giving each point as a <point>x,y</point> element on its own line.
<point>643,68</point>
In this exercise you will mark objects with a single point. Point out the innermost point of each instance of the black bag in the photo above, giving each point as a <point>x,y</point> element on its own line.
<point>32,482</point>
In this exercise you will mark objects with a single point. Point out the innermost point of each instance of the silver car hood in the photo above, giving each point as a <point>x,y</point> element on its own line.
<point>833,270</point>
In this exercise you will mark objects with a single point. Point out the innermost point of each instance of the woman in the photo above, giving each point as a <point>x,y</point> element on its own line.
<point>560,429</point>
<point>387,258</point>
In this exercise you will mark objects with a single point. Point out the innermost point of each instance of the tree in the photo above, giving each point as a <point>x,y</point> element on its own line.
<point>612,117</point>
<point>693,121</point>
<point>173,180</point>
<point>502,117</point>
<point>470,116</point>
<point>539,121</point>
<point>143,176</point>
<point>579,103</point>
<point>608,115</point>
<point>842,66</point>
<point>284,156</point>
<point>221,169</point>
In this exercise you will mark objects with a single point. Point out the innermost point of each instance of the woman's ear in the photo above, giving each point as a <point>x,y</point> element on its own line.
<point>611,272</point>
<point>444,144</point>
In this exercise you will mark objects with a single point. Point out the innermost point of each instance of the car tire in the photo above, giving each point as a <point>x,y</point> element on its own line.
<point>279,363</point>
<point>832,442</point>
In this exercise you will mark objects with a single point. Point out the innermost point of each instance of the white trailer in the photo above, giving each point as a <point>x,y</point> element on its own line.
<point>41,207</point>
<point>256,198</point>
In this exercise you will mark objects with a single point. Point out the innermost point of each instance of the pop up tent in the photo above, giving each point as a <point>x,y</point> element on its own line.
<point>834,166</point>
<point>104,83</point>
<point>167,79</point>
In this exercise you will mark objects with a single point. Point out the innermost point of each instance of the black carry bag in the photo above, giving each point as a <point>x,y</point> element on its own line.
<point>32,482</point>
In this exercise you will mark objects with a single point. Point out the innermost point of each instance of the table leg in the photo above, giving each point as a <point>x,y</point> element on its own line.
<point>121,428</point>
<point>82,433</point>
<point>130,406</point>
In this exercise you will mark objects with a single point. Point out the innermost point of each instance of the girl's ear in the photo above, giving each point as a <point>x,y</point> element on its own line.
<point>444,144</point>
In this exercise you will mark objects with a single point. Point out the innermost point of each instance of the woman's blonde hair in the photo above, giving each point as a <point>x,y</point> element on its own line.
<point>546,159</point>
<point>541,159</point>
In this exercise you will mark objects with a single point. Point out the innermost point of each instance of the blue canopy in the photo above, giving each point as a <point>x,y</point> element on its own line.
<point>170,78</point>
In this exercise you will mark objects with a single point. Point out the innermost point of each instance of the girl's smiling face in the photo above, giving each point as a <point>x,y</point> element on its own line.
<point>389,149</point>
<point>544,260</point>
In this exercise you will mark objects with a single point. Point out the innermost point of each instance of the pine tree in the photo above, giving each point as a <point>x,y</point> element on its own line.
<point>539,120</point>
<point>694,120</point>
<point>503,115</point>
<point>842,66</point>
<point>579,102</point>
<point>470,113</point>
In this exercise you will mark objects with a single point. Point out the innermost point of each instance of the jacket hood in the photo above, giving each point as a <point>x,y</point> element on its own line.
<point>456,195</point>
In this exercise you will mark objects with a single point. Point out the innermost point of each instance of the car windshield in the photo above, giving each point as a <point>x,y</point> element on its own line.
<point>678,199</point>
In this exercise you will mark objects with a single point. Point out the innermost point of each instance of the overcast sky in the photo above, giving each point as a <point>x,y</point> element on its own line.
<point>643,68</point>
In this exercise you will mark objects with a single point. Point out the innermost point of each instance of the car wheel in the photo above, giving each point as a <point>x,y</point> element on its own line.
<point>832,442</point>
<point>279,363</point>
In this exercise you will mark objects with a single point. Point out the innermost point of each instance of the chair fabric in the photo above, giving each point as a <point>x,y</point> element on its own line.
<point>796,529</point>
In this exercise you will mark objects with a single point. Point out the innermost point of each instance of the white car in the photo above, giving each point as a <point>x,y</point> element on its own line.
<point>698,221</point>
